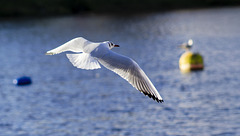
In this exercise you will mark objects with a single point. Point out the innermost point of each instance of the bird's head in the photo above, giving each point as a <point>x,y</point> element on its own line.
<point>190,42</point>
<point>111,45</point>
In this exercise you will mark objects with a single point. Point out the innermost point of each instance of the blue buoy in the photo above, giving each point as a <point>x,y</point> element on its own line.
<point>22,81</point>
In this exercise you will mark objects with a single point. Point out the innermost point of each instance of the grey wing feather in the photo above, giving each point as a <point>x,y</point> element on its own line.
<point>74,45</point>
<point>130,71</point>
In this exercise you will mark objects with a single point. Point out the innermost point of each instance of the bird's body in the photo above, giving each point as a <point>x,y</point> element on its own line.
<point>90,54</point>
<point>187,46</point>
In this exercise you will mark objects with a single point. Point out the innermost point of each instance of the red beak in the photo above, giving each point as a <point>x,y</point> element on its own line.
<point>116,46</point>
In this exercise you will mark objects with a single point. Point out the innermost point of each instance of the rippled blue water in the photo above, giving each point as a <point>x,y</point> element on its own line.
<point>66,101</point>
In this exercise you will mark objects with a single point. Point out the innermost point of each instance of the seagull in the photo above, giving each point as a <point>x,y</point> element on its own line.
<point>89,54</point>
<point>187,46</point>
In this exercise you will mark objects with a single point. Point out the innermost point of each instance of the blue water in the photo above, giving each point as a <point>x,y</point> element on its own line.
<point>66,101</point>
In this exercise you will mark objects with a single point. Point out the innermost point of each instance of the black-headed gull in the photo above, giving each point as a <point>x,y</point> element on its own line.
<point>89,54</point>
<point>187,46</point>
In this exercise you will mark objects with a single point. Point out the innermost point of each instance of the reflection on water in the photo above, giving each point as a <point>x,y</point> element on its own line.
<point>64,100</point>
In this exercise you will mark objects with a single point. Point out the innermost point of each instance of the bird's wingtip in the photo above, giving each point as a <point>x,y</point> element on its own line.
<point>161,101</point>
<point>153,97</point>
<point>49,53</point>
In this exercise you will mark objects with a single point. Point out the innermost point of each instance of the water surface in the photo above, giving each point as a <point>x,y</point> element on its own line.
<point>66,101</point>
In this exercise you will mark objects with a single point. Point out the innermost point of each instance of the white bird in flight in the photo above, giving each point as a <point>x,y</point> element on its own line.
<point>90,54</point>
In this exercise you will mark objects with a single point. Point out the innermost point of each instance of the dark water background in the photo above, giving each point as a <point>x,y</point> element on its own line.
<point>66,101</point>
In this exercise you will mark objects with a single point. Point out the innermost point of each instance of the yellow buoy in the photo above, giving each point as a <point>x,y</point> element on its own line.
<point>190,61</point>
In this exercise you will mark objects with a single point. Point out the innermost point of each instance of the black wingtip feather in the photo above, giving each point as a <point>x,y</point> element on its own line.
<point>161,101</point>
<point>153,97</point>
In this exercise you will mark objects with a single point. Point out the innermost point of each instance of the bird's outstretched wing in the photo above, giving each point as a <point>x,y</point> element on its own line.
<point>130,71</point>
<point>83,61</point>
<point>74,45</point>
